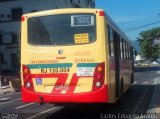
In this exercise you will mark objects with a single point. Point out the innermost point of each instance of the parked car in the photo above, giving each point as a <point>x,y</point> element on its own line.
<point>155,63</point>
<point>137,63</point>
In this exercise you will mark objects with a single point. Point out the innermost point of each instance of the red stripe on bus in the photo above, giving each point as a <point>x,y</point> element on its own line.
<point>73,83</point>
<point>48,75</point>
<point>60,83</point>
<point>61,79</point>
<point>98,96</point>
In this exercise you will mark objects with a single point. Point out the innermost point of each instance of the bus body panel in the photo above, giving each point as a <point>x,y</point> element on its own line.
<point>64,73</point>
<point>83,72</point>
<point>57,65</point>
<point>94,97</point>
<point>125,65</point>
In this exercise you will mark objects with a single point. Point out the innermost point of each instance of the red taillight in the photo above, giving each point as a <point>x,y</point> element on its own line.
<point>28,83</point>
<point>101,13</point>
<point>23,18</point>
<point>99,75</point>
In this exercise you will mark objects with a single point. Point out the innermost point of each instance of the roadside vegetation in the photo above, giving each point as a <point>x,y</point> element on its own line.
<point>150,43</point>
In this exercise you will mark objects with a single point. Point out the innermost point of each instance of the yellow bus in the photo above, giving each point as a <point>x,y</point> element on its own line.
<point>74,56</point>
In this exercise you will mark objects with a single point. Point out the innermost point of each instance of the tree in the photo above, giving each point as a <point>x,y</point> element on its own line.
<point>146,40</point>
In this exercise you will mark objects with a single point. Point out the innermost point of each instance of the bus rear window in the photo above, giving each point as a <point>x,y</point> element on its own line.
<point>68,29</point>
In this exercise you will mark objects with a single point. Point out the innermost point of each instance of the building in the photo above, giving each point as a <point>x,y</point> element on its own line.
<point>10,16</point>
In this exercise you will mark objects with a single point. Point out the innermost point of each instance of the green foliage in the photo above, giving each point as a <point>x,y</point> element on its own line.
<point>146,40</point>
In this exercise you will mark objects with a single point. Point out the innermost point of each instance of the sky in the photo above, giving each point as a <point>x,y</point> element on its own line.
<point>132,16</point>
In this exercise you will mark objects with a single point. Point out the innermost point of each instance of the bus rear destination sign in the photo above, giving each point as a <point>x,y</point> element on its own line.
<point>82,20</point>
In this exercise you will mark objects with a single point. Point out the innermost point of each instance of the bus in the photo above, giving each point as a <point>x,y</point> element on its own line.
<point>74,55</point>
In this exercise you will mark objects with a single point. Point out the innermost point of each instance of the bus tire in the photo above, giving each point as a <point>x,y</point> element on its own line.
<point>132,78</point>
<point>121,98</point>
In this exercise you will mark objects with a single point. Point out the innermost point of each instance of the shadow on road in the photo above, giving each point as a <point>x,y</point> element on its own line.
<point>110,111</point>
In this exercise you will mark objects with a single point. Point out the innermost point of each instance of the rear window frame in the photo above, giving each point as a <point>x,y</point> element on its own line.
<point>73,44</point>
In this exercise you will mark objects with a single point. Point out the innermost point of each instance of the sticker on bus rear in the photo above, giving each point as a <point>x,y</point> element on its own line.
<point>81,38</point>
<point>85,71</point>
<point>38,81</point>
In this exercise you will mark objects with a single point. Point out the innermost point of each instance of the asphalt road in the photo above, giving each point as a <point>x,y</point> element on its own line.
<point>136,103</point>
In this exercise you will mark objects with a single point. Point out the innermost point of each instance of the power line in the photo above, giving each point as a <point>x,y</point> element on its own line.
<point>137,21</point>
<point>140,26</point>
<point>137,24</point>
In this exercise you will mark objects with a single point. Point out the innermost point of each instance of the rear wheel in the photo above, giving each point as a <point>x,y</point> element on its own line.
<point>121,99</point>
<point>132,78</point>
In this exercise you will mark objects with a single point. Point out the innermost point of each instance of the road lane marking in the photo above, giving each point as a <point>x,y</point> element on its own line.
<point>155,81</point>
<point>10,101</point>
<point>140,101</point>
<point>135,82</point>
<point>152,106</point>
<point>4,99</point>
<point>10,94</point>
<point>43,112</point>
<point>24,105</point>
<point>145,83</point>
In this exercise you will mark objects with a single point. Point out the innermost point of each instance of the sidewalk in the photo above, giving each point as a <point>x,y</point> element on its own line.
<point>154,107</point>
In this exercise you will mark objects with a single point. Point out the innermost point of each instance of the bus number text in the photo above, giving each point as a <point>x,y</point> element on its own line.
<point>55,70</point>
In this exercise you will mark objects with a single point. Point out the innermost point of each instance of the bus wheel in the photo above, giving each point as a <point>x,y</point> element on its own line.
<point>121,99</point>
<point>132,78</point>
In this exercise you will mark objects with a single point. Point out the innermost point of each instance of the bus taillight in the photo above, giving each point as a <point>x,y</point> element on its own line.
<point>28,83</point>
<point>99,75</point>
<point>23,18</point>
<point>101,13</point>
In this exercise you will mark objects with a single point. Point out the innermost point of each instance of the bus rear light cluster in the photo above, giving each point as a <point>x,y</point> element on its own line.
<point>99,74</point>
<point>23,18</point>
<point>28,83</point>
<point>98,84</point>
<point>101,13</point>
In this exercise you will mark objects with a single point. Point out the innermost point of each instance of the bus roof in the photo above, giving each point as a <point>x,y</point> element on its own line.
<point>79,10</point>
<point>117,29</point>
<point>62,11</point>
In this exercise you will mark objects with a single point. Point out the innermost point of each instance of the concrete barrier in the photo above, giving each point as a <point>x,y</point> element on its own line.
<point>15,85</point>
<point>9,86</point>
<point>1,90</point>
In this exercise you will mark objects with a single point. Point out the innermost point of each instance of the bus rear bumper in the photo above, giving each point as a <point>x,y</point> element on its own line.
<point>99,96</point>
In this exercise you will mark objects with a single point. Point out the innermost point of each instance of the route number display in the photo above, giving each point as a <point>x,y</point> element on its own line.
<point>82,20</point>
